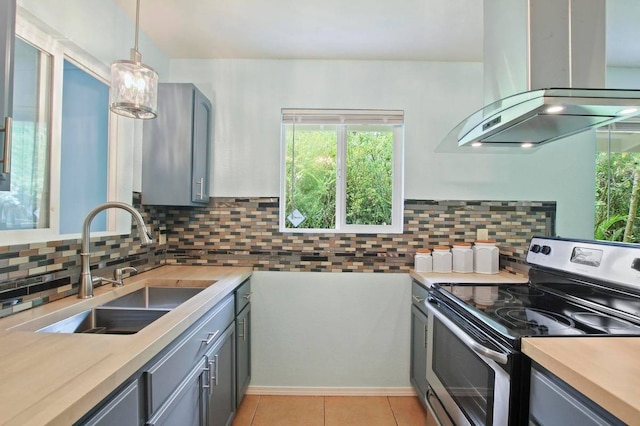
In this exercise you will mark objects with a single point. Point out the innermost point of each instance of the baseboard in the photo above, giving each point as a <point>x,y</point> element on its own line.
<point>329,391</point>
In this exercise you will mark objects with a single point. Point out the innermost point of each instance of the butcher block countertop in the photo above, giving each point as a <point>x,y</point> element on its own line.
<point>605,369</point>
<point>503,277</point>
<point>50,378</point>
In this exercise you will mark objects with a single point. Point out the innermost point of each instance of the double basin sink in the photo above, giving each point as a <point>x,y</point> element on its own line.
<point>126,314</point>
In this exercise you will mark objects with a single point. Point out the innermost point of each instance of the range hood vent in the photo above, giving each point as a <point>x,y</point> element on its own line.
<point>530,119</point>
<point>545,60</point>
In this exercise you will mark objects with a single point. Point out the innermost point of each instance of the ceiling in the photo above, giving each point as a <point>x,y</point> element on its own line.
<point>428,30</point>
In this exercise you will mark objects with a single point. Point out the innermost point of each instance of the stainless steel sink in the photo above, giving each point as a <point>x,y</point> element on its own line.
<point>129,313</point>
<point>155,297</point>
<point>105,320</point>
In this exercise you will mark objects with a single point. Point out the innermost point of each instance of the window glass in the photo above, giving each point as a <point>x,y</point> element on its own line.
<point>369,175</point>
<point>617,203</point>
<point>26,205</point>
<point>311,176</point>
<point>342,171</point>
<point>84,148</point>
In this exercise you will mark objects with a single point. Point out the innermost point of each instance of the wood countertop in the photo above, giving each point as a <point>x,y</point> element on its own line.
<point>605,369</point>
<point>54,379</point>
<point>503,277</point>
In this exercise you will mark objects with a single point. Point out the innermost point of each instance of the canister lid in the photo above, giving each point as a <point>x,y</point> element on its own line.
<point>423,250</point>
<point>461,244</point>
<point>485,241</point>
<point>441,248</point>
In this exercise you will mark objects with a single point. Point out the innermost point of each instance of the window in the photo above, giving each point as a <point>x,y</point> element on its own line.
<point>65,156</point>
<point>617,203</point>
<point>342,171</point>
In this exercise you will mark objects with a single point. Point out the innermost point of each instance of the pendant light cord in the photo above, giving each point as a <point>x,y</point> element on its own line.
<point>137,23</point>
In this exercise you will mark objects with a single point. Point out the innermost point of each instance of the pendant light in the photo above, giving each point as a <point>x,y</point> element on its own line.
<point>134,85</point>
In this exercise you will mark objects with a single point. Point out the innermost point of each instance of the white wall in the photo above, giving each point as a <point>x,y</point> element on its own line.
<point>248,96</point>
<point>330,330</point>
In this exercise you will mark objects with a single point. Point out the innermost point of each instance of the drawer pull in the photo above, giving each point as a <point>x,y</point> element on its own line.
<point>247,296</point>
<point>210,337</point>
<point>215,357</point>
<point>417,299</point>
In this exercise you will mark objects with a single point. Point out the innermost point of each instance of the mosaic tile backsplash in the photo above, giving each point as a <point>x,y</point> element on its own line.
<point>244,232</point>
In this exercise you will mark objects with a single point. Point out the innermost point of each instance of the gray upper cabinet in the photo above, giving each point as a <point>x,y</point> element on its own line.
<point>7,36</point>
<point>176,148</point>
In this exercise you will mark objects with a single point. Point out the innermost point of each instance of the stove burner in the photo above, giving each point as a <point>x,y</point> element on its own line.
<point>601,321</point>
<point>525,291</point>
<point>538,320</point>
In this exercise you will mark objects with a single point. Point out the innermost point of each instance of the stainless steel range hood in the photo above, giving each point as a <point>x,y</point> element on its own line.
<point>561,45</point>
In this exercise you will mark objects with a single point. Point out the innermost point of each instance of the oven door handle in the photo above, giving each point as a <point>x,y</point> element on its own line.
<point>498,357</point>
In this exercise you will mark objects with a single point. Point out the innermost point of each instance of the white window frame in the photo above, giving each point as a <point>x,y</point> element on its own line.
<point>119,167</point>
<point>343,118</point>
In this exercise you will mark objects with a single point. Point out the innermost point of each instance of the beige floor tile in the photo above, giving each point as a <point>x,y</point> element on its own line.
<point>246,411</point>
<point>358,410</point>
<point>408,411</point>
<point>289,411</point>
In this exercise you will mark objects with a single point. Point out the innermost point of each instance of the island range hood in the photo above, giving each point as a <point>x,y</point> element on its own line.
<point>555,49</point>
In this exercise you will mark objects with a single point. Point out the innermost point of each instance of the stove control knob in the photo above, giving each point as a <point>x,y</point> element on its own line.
<point>636,264</point>
<point>546,250</point>
<point>535,248</point>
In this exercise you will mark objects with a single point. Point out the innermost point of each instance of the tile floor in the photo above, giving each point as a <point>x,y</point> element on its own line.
<point>271,410</point>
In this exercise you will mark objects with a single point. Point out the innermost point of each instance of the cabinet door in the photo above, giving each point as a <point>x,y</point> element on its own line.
<point>202,118</point>
<point>554,402</point>
<point>243,352</point>
<point>122,409</point>
<point>7,34</point>
<point>185,406</point>
<point>221,365</point>
<point>419,351</point>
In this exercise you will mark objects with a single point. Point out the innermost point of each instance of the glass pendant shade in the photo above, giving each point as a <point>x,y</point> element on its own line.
<point>134,90</point>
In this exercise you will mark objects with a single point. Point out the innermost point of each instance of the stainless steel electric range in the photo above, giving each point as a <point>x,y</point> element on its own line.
<point>475,370</point>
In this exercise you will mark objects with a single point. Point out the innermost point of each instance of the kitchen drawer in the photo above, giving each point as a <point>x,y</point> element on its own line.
<point>123,409</point>
<point>243,295</point>
<point>418,291</point>
<point>171,369</point>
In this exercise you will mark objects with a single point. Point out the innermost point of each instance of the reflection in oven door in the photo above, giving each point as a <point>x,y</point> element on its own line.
<point>466,371</point>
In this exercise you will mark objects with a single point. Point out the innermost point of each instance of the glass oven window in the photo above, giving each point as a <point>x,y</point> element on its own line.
<point>465,376</point>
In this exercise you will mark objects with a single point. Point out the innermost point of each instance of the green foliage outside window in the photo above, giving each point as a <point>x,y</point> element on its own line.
<point>312,188</point>
<point>617,194</point>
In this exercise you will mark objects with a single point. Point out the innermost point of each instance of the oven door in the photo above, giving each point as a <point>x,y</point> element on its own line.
<point>465,369</point>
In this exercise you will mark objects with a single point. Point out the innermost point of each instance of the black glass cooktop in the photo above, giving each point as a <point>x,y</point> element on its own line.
<point>516,310</point>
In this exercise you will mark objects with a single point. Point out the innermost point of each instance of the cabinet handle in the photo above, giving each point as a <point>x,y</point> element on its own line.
<point>247,296</point>
<point>425,335</point>
<point>6,156</point>
<point>210,337</point>
<point>215,358</point>
<point>208,370</point>
<point>417,299</point>
<point>244,329</point>
<point>201,184</point>
<point>211,378</point>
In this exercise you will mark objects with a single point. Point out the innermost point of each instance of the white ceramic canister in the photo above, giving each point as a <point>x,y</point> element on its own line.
<point>462,255</point>
<point>486,257</point>
<point>422,261</point>
<point>442,260</point>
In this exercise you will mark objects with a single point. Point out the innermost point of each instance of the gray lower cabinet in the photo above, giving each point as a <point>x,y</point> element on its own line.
<point>221,398</point>
<point>192,382</point>
<point>418,371</point>
<point>553,402</point>
<point>243,353</point>
<point>122,409</point>
<point>243,339</point>
<point>185,406</point>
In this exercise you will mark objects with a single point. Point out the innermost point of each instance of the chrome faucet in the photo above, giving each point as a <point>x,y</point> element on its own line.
<point>85,290</point>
